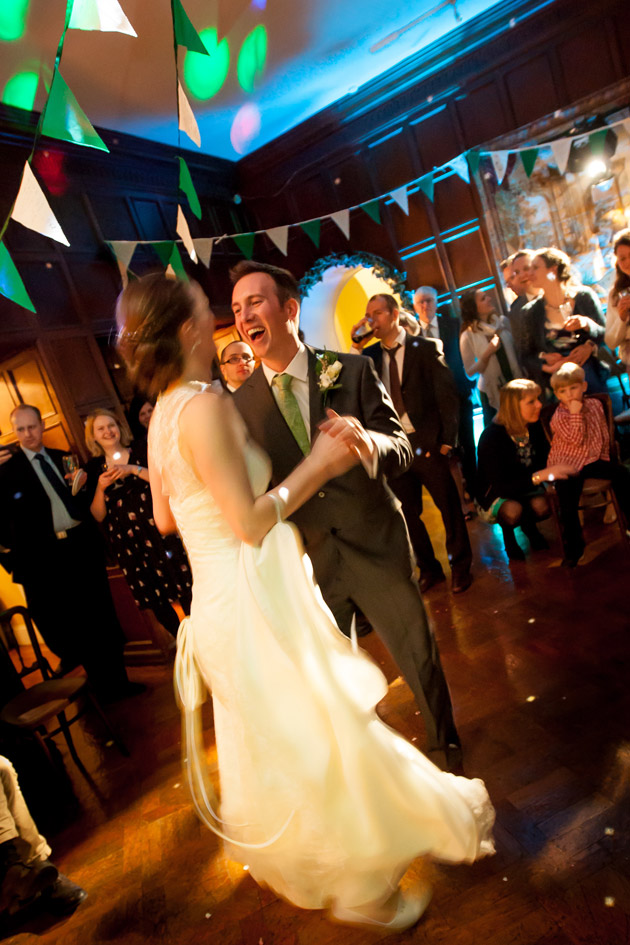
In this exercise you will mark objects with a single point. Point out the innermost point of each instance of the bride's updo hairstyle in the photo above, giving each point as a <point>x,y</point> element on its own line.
<point>149,314</point>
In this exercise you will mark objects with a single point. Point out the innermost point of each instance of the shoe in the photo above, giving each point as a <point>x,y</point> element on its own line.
<point>512,548</point>
<point>430,579</point>
<point>461,582</point>
<point>23,882</point>
<point>408,911</point>
<point>63,897</point>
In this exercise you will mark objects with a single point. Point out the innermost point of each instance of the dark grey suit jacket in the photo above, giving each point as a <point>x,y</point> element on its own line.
<point>360,512</point>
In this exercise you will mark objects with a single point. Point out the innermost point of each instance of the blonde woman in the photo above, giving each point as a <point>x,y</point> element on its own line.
<point>156,568</point>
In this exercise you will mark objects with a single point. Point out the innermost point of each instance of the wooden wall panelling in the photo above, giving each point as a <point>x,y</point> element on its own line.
<point>532,89</point>
<point>619,39</point>
<point>586,60</point>
<point>434,137</point>
<point>391,160</point>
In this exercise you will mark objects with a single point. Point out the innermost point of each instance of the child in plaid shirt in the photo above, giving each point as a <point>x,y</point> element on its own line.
<point>581,439</point>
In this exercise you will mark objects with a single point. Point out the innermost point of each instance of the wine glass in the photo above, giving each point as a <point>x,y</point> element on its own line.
<point>70,463</point>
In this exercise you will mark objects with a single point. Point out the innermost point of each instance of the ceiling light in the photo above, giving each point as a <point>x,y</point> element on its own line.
<point>596,167</point>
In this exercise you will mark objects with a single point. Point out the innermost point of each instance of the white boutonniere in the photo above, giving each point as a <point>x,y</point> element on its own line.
<point>328,369</point>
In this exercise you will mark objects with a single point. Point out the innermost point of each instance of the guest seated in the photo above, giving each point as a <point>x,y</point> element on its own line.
<point>26,873</point>
<point>487,348</point>
<point>581,439</point>
<point>618,311</point>
<point>512,464</point>
<point>156,567</point>
<point>565,324</point>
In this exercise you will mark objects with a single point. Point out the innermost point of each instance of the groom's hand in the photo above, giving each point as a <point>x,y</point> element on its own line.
<point>353,434</point>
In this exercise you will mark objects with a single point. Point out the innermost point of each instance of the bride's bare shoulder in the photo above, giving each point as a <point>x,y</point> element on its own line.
<point>209,407</point>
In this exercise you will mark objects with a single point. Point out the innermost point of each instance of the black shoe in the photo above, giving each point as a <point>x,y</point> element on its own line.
<point>63,897</point>
<point>512,548</point>
<point>461,582</point>
<point>22,882</point>
<point>430,579</point>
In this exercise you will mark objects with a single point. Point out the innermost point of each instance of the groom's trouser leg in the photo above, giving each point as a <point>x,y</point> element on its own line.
<point>390,599</point>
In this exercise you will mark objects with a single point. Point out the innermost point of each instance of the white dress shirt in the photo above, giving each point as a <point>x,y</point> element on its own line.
<point>62,520</point>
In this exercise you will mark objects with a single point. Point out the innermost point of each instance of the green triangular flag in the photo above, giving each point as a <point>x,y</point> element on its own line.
<point>64,118</point>
<point>11,284</point>
<point>529,159</point>
<point>164,248</point>
<point>245,242</point>
<point>312,229</point>
<point>186,184</point>
<point>372,210</point>
<point>597,141</point>
<point>427,186</point>
<point>473,157</point>
<point>176,265</point>
<point>185,33</point>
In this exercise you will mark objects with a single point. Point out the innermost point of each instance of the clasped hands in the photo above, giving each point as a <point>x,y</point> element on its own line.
<point>343,443</point>
<point>552,360</point>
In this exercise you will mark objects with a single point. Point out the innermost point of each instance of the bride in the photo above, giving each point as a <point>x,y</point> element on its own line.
<point>325,803</point>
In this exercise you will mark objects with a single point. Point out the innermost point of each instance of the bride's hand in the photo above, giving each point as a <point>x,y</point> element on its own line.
<point>334,454</point>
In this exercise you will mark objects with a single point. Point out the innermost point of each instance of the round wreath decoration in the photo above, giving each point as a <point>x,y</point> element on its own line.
<point>383,269</point>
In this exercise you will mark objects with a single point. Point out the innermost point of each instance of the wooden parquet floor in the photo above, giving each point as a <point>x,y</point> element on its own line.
<point>537,662</point>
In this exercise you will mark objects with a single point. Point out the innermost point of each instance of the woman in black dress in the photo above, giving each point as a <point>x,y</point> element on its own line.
<point>156,567</point>
<point>512,464</point>
<point>565,323</point>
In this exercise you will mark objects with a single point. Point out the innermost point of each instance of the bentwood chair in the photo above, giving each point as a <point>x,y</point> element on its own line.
<point>39,710</point>
<point>596,493</point>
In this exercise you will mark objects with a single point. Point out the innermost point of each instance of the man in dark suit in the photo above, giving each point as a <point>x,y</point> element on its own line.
<point>446,328</point>
<point>353,529</point>
<point>56,554</point>
<point>425,396</point>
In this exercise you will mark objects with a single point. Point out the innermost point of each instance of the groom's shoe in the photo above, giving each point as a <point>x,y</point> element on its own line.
<point>430,579</point>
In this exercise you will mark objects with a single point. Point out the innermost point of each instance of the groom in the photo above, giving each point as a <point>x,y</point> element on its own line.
<point>353,529</point>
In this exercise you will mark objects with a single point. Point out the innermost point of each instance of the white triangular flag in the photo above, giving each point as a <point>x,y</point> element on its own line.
<point>279,236</point>
<point>104,15</point>
<point>123,250</point>
<point>499,160</point>
<point>561,150</point>
<point>204,249</point>
<point>183,231</point>
<point>187,120</point>
<point>400,196</point>
<point>33,210</point>
<point>342,219</point>
<point>460,166</point>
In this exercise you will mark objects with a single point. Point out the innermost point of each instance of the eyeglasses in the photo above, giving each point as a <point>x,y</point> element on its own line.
<point>237,358</point>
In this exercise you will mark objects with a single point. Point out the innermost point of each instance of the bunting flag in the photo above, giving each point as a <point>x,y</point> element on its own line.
<point>561,149</point>
<point>32,210</point>
<point>473,157</point>
<point>400,196</point>
<point>164,249</point>
<point>183,231</point>
<point>427,186</point>
<point>175,267</point>
<point>64,119</point>
<point>460,166</point>
<point>312,229</point>
<point>372,209</point>
<point>279,236</point>
<point>597,141</point>
<point>185,33</point>
<point>203,247</point>
<point>123,250</point>
<point>245,242</point>
<point>528,159</point>
<point>187,121</point>
<point>499,162</point>
<point>11,285</point>
<point>342,219</point>
<point>104,15</point>
<point>186,184</point>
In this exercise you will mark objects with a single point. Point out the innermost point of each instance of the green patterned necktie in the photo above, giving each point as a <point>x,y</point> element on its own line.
<point>290,410</point>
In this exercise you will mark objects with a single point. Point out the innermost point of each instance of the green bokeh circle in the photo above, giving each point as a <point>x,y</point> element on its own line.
<point>205,75</point>
<point>252,58</point>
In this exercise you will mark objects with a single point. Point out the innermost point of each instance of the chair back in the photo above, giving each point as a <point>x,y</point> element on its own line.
<point>28,663</point>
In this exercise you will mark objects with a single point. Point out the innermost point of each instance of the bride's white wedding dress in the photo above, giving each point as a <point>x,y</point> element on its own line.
<point>324,802</point>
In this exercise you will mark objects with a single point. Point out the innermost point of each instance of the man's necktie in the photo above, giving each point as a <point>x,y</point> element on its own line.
<point>430,332</point>
<point>290,410</point>
<point>394,381</point>
<point>62,491</point>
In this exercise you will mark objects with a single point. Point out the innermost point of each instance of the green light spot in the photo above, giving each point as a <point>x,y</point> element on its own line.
<point>13,19</point>
<point>204,75</point>
<point>252,58</point>
<point>20,90</point>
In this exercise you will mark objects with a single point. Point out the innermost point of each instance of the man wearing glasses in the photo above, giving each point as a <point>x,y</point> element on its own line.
<point>237,364</point>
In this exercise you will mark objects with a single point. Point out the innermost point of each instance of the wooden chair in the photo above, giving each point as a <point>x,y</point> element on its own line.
<point>596,493</point>
<point>31,710</point>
